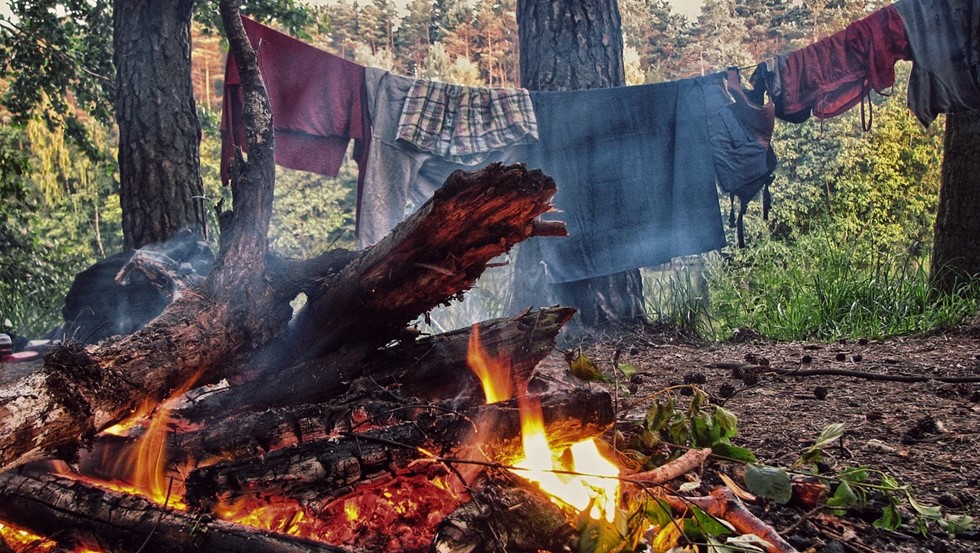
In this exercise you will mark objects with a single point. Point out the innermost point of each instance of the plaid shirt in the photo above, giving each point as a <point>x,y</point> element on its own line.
<point>459,122</point>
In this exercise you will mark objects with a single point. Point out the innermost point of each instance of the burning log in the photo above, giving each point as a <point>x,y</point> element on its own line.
<point>505,516</point>
<point>313,471</point>
<point>432,367</point>
<point>428,369</point>
<point>71,509</point>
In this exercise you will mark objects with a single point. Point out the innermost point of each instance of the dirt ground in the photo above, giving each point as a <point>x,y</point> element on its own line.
<point>925,434</point>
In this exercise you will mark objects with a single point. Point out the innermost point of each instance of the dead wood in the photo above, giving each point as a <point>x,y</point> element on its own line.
<point>314,471</point>
<point>505,516</point>
<point>433,368</point>
<point>71,510</point>
<point>435,254</point>
<point>687,462</point>
<point>204,334</point>
<point>723,504</point>
<point>81,391</point>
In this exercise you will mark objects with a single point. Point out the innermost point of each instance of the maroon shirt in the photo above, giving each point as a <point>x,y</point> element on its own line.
<point>833,74</point>
<point>319,104</point>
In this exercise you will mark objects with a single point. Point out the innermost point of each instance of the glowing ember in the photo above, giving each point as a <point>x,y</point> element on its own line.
<point>22,540</point>
<point>494,374</point>
<point>283,516</point>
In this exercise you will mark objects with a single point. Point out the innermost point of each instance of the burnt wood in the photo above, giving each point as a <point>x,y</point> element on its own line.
<point>71,510</point>
<point>324,469</point>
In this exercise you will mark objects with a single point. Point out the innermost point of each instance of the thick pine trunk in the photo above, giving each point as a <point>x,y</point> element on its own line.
<point>956,247</point>
<point>72,510</point>
<point>571,46</point>
<point>160,188</point>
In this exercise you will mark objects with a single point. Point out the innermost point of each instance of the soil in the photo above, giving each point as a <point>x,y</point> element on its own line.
<point>924,434</point>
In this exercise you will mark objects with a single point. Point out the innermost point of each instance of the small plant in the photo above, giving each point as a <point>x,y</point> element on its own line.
<point>856,487</point>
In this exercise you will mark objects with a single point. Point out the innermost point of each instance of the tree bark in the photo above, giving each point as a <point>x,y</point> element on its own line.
<point>569,46</point>
<point>160,187</point>
<point>956,246</point>
<point>70,509</point>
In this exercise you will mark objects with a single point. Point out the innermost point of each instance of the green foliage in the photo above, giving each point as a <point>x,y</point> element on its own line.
<point>57,54</point>
<point>825,287</point>
<point>680,295</point>
<point>770,482</point>
<point>701,425</point>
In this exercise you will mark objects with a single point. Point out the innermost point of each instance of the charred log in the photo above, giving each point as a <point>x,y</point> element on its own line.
<point>432,367</point>
<point>397,378</point>
<point>432,256</point>
<point>73,510</point>
<point>313,471</point>
<point>505,516</point>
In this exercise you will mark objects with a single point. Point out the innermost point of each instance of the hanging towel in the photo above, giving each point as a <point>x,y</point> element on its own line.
<point>636,183</point>
<point>944,36</point>
<point>318,104</point>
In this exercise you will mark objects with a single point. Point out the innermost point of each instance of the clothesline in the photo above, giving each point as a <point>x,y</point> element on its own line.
<point>409,134</point>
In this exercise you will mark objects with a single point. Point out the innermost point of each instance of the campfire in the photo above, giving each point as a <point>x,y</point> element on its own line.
<point>482,428</point>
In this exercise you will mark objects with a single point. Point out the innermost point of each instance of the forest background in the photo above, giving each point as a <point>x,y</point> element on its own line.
<point>844,252</point>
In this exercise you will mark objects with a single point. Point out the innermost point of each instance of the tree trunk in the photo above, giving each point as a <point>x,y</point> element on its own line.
<point>956,247</point>
<point>571,45</point>
<point>160,189</point>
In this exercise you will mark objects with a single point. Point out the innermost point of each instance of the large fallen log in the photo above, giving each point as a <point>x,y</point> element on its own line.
<point>313,471</point>
<point>81,391</point>
<point>432,367</point>
<point>69,510</point>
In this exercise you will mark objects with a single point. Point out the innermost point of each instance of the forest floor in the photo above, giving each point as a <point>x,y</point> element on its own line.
<point>924,434</point>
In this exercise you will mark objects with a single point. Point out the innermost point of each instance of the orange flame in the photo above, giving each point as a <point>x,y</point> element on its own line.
<point>24,540</point>
<point>595,483</point>
<point>494,374</point>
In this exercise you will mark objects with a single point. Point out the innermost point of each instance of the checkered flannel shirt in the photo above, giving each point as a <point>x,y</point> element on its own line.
<point>460,122</point>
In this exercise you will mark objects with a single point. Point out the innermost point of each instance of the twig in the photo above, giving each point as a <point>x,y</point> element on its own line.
<point>156,525</point>
<point>723,504</point>
<point>665,473</point>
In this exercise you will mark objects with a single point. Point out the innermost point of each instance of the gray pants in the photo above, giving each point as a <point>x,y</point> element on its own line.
<point>398,176</point>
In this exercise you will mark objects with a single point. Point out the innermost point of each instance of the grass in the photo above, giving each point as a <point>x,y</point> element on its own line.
<point>816,289</point>
<point>823,290</point>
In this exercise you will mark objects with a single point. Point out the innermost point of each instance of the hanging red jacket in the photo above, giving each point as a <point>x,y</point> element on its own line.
<point>318,100</point>
<point>834,74</point>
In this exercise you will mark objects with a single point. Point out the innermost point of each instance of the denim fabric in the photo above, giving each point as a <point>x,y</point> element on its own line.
<point>636,182</point>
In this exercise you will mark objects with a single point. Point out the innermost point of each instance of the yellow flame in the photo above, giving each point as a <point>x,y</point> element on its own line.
<point>350,509</point>
<point>494,374</point>
<point>144,466</point>
<point>594,484</point>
